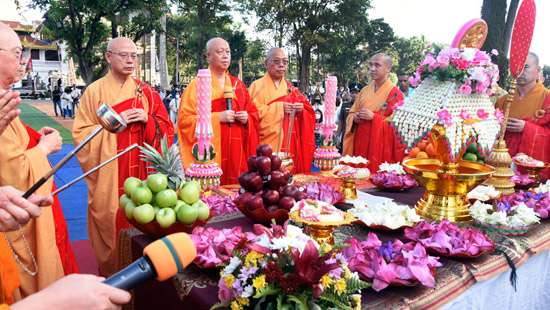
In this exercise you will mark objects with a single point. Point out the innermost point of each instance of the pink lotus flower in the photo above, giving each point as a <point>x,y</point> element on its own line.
<point>430,61</point>
<point>448,239</point>
<point>390,263</point>
<point>215,247</point>
<point>416,79</point>
<point>445,117</point>
<point>482,114</point>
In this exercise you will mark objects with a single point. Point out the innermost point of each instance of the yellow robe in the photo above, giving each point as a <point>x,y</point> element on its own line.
<point>21,168</point>
<point>102,193</point>
<point>263,91</point>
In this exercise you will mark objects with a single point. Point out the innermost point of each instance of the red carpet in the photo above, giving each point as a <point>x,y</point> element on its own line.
<point>85,257</point>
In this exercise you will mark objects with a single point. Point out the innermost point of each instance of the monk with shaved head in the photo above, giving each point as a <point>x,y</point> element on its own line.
<point>368,133</point>
<point>41,247</point>
<point>142,109</point>
<point>279,104</point>
<point>234,116</point>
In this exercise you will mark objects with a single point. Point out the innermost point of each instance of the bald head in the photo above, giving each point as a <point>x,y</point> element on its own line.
<point>379,67</point>
<point>385,58</point>
<point>276,63</point>
<point>10,56</point>
<point>218,54</point>
<point>121,56</point>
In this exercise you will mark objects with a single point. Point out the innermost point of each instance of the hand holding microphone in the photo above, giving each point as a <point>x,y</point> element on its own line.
<point>161,259</point>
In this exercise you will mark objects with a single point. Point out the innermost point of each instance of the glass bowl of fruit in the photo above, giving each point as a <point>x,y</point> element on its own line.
<point>157,210</point>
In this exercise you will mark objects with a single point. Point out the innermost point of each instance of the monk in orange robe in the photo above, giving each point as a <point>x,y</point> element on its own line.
<point>528,129</point>
<point>276,99</point>
<point>235,128</point>
<point>41,248</point>
<point>368,133</point>
<point>141,107</point>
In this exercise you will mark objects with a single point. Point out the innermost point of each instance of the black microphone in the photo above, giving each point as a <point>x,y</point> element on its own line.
<point>161,259</point>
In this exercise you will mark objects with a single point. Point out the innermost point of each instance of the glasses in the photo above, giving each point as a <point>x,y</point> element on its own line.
<point>124,55</point>
<point>17,52</point>
<point>280,61</point>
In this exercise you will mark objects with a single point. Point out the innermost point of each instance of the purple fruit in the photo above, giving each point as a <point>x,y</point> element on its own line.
<point>276,180</point>
<point>263,164</point>
<point>255,204</point>
<point>251,162</point>
<point>289,190</point>
<point>275,162</point>
<point>300,195</point>
<point>286,203</point>
<point>264,150</point>
<point>271,197</point>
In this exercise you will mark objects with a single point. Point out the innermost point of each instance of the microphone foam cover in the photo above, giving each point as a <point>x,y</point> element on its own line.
<point>171,254</point>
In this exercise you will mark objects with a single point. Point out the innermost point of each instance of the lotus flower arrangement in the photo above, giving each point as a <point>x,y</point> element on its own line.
<point>505,214</point>
<point>523,180</point>
<point>538,201</point>
<point>215,247</point>
<point>323,192</point>
<point>447,239</point>
<point>275,272</point>
<point>393,177</point>
<point>220,205</point>
<point>390,263</point>
<point>387,214</point>
<point>483,193</point>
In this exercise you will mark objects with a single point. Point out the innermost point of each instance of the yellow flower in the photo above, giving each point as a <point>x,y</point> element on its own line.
<point>340,286</point>
<point>235,306</point>
<point>243,301</point>
<point>356,301</point>
<point>326,281</point>
<point>347,272</point>
<point>259,282</point>
<point>251,259</point>
<point>229,280</point>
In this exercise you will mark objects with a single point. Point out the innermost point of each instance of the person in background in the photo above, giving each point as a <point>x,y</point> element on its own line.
<point>67,103</point>
<point>75,94</point>
<point>348,97</point>
<point>56,98</point>
<point>403,83</point>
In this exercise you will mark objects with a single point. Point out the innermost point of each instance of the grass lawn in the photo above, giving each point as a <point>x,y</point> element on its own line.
<point>37,119</point>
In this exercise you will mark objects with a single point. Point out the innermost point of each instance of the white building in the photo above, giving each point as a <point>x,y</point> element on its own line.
<point>49,60</point>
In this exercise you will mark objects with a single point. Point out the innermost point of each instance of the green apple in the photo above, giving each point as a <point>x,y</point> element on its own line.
<point>179,204</point>
<point>156,209</point>
<point>191,192</point>
<point>166,198</point>
<point>129,209</point>
<point>123,201</point>
<point>144,214</point>
<point>142,195</point>
<point>130,184</point>
<point>157,182</point>
<point>187,214</point>
<point>203,211</point>
<point>166,217</point>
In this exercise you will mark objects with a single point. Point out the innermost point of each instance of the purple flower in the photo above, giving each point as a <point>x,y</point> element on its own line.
<point>386,251</point>
<point>247,273</point>
<point>224,293</point>
<point>504,206</point>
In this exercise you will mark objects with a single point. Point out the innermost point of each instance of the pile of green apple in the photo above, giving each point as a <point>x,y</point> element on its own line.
<point>151,199</point>
<point>473,154</point>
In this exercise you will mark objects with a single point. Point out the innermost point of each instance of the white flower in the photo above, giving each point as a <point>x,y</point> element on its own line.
<point>469,54</point>
<point>234,263</point>
<point>497,218</point>
<point>526,215</point>
<point>247,292</point>
<point>483,193</point>
<point>543,188</point>
<point>387,167</point>
<point>479,211</point>
<point>294,238</point>
<point>387,213</point>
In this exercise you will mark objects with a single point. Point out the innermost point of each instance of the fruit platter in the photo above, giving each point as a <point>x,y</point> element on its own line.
<point>266,193</point>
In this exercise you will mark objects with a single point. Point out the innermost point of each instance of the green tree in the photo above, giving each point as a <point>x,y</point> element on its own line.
<point>411,52</point>
<point>312,24</point>
<point>500,17</point>
<point>84,26</point>
<point>546,74</point>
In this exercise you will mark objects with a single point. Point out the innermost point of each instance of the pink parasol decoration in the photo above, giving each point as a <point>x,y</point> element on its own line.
<point>472,34</point>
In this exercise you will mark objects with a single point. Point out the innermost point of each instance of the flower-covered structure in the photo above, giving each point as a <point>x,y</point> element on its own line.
<point>453,90</point>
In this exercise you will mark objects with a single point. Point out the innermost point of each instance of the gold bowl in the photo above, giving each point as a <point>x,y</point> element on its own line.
<point>322,231</point>
<point>446,187</point>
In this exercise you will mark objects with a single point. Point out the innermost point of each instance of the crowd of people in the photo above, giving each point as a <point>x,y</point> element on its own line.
<point>271,110</point>
<point>65,100</point>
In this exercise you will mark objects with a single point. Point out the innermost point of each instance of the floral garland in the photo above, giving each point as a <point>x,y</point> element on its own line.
<point>471,68</point>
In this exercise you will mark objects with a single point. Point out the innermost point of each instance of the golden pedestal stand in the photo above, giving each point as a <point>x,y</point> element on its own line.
<point>348,188</point>
<point>322,231</point>
<point>500,158</point>
<point>446,182</point>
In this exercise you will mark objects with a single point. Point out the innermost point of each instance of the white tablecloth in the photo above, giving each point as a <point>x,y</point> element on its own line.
<point>533,289</point>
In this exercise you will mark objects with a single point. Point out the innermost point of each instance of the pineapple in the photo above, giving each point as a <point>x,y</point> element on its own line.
<point>167,162</point>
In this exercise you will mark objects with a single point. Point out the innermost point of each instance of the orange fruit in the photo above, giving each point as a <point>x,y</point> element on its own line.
<point>422,145</point>
<point>430,150</point>
<point>422,154</point>
<point>414,151</point>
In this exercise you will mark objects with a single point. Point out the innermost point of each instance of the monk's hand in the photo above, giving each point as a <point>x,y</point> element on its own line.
<point>357,119</point>
<point>51,140</point>
<point>227,116</point>
<point>16,210</point>
<point>8,108</point>
<point>298,107</point>
<point>366,114</point>
<point>515,125</point>
<point>134,116</point>
<point>288,107</point>
<point>242,116</point>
